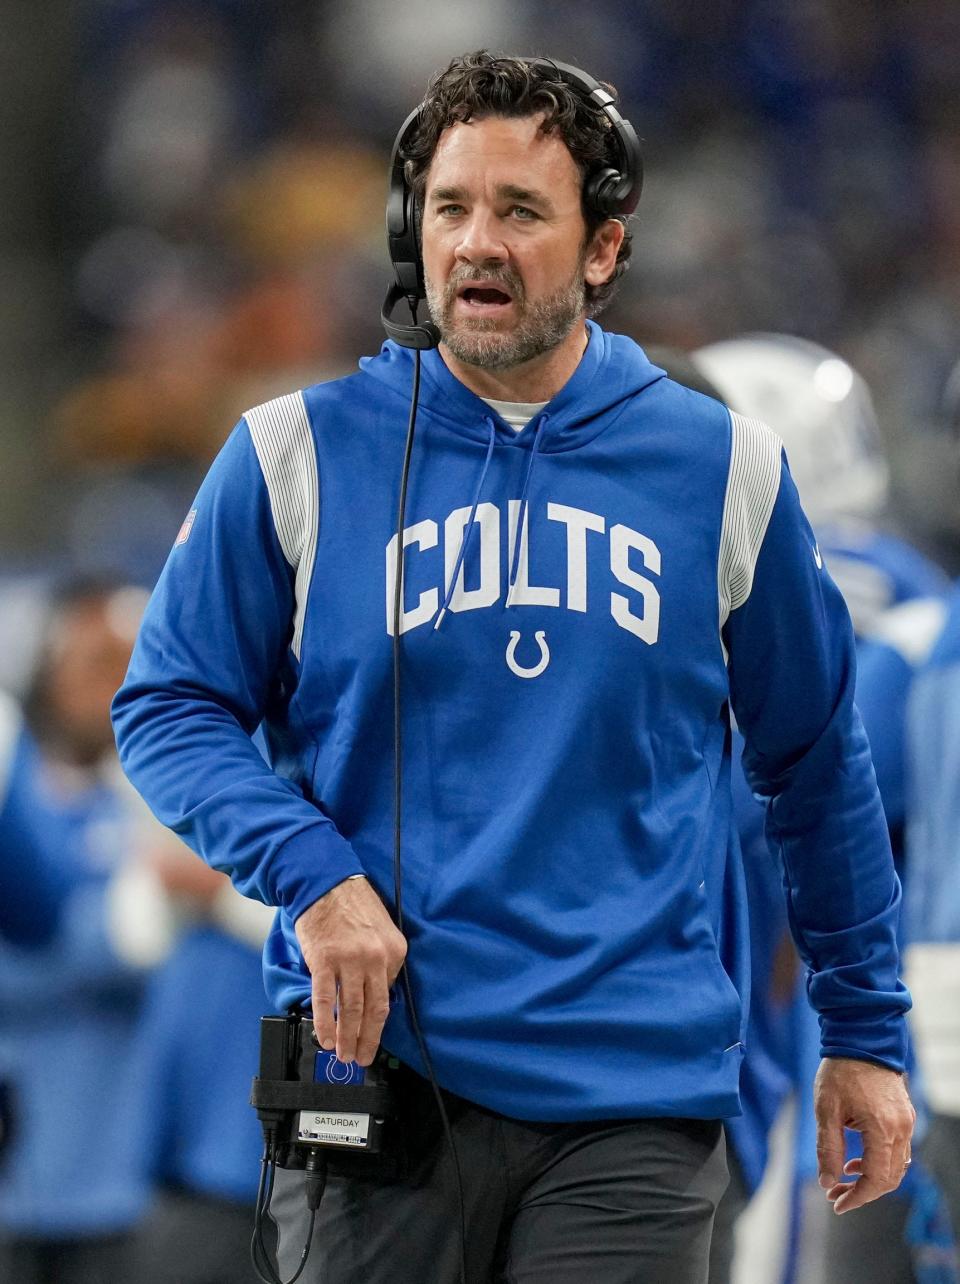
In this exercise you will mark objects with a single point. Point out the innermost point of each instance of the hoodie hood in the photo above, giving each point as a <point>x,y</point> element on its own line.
<point>612,369</point>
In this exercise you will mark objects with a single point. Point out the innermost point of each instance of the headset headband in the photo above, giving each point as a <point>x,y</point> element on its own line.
<point>612,191</point>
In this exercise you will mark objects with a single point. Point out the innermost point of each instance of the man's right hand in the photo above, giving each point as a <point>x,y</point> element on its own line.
<point>353,952</point>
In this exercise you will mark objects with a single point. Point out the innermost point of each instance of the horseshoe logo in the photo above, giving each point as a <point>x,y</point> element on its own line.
<point>537,669</point>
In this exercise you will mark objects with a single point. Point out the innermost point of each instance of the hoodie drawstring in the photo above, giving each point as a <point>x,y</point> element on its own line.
<point>522,515</point>
<point>468,528</point>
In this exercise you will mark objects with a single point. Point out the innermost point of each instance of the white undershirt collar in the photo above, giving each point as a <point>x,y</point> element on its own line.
<point>516,413</point>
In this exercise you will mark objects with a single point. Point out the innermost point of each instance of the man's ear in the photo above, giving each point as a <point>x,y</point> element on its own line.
<point>602,251</point>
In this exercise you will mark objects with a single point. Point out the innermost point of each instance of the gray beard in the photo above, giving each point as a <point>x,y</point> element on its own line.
<point>478,342</point>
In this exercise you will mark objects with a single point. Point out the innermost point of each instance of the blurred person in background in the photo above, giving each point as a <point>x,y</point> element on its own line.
<point>932,903</point>
<point>104,1059</point>
<point>148,981</point>
<point>71,1188</point>
<point>38,870</point>
<point>823,411</point>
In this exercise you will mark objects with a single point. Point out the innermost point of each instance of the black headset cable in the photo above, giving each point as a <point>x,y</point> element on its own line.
<point>398,812</point>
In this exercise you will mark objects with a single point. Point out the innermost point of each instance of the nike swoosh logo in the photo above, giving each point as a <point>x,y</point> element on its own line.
<point>817,558</point>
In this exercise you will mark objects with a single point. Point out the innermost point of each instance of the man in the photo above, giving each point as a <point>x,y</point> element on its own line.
<point>932,905</point>
<point>596,562</point>
<point>933,902</point>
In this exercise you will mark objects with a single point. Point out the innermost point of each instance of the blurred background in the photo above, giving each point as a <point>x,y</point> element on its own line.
<point>191,221</point>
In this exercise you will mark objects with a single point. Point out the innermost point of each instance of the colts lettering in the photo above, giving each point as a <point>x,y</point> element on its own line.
<point>628,551</point>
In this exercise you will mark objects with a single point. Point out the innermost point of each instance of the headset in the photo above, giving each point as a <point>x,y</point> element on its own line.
<point>612,191</point>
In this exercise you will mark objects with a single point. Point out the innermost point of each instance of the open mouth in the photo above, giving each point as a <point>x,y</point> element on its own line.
<point>484,297</point>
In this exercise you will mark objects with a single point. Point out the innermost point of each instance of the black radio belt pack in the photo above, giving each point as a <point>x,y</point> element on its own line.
<point>308,1100</point>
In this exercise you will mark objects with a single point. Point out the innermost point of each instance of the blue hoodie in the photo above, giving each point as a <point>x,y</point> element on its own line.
<point>566,792</point>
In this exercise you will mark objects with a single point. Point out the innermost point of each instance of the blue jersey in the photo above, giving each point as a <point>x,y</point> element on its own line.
<point>932,908</point>
<point>583,601</point>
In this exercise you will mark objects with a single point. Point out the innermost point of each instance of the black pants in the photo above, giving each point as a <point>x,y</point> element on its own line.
<point>732,1207</point>
<point>616,1202</point>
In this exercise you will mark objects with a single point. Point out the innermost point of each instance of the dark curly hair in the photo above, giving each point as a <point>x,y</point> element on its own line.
<point>484,84</point>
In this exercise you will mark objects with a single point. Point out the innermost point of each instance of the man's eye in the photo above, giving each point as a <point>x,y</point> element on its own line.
<point>524,212</point>
<point>450,210</point>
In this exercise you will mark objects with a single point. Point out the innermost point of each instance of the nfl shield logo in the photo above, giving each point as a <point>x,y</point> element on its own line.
<point>186,528</point>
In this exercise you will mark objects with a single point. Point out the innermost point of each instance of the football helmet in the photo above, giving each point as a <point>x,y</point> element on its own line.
<point>822,410</point>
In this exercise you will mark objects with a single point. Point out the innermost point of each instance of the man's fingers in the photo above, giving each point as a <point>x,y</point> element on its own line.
<point>376,1009</point>
<point>324,1000</point>
<point>856,1194</point>
<point>350,943</point>
<point>830,1152</point>
<point>879,1171</point>
<point>349,1015</point>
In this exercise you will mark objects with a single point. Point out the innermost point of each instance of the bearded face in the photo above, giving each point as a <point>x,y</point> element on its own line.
<point>486,318</point>
<point>506,250</point>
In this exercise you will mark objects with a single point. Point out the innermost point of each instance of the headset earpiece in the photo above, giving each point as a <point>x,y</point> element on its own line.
<point>404,249</point>
<point>401,218</point>
<point>599,192</point>
<point>612,193</point>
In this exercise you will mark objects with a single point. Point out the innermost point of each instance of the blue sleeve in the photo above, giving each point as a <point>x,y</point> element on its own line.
<point>792,677</point>
<point>212,655</point>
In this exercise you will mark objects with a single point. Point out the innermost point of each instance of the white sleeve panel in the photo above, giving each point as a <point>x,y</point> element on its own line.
<point>281,435</point>
<point>752,486</point>
<point>11,724</point>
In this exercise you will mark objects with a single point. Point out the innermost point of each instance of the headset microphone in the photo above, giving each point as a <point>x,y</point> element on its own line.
<point>420,335</point>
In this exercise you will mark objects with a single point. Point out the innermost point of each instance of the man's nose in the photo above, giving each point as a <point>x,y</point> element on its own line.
<point>481,241</point>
